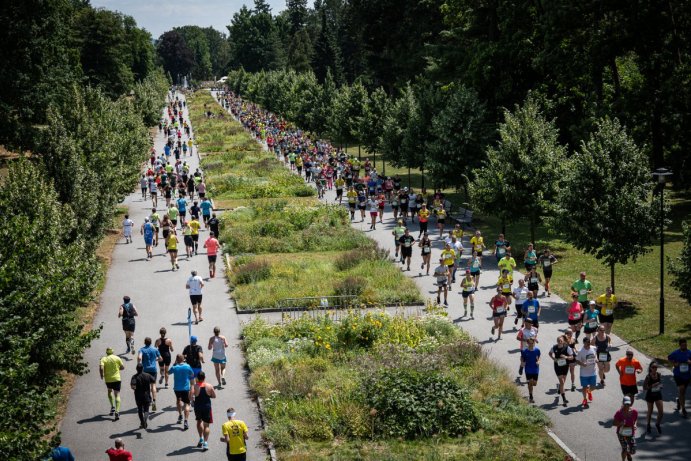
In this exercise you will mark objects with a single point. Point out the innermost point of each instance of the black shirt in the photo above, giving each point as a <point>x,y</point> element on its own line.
<point>191,353</point>
<point>213,225</point>
<point>142,385</point>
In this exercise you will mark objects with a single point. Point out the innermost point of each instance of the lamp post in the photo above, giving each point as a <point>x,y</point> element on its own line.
<point>661,174</point>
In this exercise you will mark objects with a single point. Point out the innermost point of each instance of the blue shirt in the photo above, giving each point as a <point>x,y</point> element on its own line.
<point>530,360</point>
<point>182,373</point>
<point>182,205</point>
<point>206,207</point>
<point>150,356</point>
<point>61,454</point>
<point>530,303</point>
<point>148,231</point>
<point>678,357</point>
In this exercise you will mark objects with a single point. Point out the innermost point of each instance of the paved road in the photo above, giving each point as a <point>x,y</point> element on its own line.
<point>162,300</point>
<point>588,432</point>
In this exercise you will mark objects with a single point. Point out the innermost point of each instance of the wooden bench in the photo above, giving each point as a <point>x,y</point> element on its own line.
<point>464,216</point>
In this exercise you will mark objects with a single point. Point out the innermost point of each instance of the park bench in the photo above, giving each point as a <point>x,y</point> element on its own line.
<point>464,216</point>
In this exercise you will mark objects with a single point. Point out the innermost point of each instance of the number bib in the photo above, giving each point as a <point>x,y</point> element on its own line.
<point>590,360</point>
<point>629,370</point>
<point>626,431</point>
<point>577,316</point>
<point>603,356</point>
<point>592,324</point>
<point>531,309</point>
<point>561,362</point>
<point>583,292</point>
<point>500,310</point>
<point>657,387</point>
<point>684,367</point>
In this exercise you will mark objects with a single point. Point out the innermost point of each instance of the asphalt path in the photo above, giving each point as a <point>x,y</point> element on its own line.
<point>589,433</point>
<point>162,300</point>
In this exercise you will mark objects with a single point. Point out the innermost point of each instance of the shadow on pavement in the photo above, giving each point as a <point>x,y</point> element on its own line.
<point>184,451</point>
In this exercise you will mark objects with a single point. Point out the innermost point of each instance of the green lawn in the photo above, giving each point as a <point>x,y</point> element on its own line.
<point>636,283</point>
<point>370,388</point>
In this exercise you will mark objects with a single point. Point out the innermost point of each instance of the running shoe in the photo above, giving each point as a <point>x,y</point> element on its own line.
<point>146,423</point>
<point>179,419</point>
<point>166,386</point>
<point>185,426</point>
<point>200,443</point>
<point>223,380</point>
<point>446,304</point>
<point>678,405</point>
<point>590,396</point>
<point>117,416</point>
<point>160,380</point>
<point>585,403</point>
<point>493,333</point>
<point>659,429</point>
<point>520,370</point>
<point>573,387</point>
<point>153,406</point>
<point>205,446</point>
<point>112,410</point>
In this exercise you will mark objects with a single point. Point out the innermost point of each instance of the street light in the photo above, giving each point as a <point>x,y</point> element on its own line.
<point>661,174</point>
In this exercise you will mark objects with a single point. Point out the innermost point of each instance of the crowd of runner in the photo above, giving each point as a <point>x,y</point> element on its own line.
<point>585,343</point>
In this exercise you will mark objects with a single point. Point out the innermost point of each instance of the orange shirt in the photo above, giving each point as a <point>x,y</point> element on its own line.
<point>628,370</point>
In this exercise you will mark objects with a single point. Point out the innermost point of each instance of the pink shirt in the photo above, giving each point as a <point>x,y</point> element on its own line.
<point>628,420</point>
<point>575,311</point>
<point>211,246</point>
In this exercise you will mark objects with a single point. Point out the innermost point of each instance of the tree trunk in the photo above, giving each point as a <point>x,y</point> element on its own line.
<point>611,277</point>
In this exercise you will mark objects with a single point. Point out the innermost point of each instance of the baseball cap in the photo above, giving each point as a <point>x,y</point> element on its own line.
<point>626,401</point>
<point>193,339</point>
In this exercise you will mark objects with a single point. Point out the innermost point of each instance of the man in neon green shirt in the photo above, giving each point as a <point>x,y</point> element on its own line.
<point>583,288</point>
<point>507,262</point>
<point>109,369</point>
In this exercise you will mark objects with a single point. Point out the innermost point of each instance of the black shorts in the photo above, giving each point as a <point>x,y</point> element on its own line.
<point>533,286</point>
<point>561,371</point>
<point>351,205</point>
<point>115,385</point>
<point>195,237</point>
<point>573,322</point>
<point>173,253</point>
<point>529,266</point>
<point>166,359</point>
<point>547,273</point>
<point>204,414</point>
<point>183,396</point>
<point>441,221</point>
<point>128,324</point>
<point>188,241</point>
<point>497,315</point>
<point>651,396</point>
<point>196,299</point>
<point>629,390</point>
<point>238,457</point>
<point>339,192</point>
<point>153,193</point>
<point>174,221</point>
<point>531,377</point>
<point>681,381</point>
<point>466,294</point>
<point>606,318</point>
<point>406,252</point>
<point>362,206</point>
<point>211,258</point>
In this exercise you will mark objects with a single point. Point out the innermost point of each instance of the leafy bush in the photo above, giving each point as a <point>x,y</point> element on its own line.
<point>350,286</point>
<point>411,404</point>
<point>252,272</point>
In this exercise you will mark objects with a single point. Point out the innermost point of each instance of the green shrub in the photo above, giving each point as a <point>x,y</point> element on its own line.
<point>410,404</point>
<point>350,286</point>
<point>252,272</point>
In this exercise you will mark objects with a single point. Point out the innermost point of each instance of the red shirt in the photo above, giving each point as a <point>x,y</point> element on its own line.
<point>118,454</point>
<point>211,246</point>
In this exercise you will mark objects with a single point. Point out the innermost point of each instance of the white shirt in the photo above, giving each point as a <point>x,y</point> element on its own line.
<point>527,334</point>
<point>521,294</point>
<point>587,356</point>
<point>127,225</point>
<point>195,284</point>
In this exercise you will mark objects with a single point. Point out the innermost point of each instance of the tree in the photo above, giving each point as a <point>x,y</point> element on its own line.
<point>177,58</point>
<point>297,13</point>
<point>347,111</point>
<point>525,168</point>
<point>680,267</point>
<point>604,205</point>
<point>327,56</point>
<point>371,124</point>
<point>300,51</point>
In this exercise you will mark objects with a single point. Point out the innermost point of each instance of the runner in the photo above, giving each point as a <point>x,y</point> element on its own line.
<point>587,360</point>
<point>213,225</point>
<point>606,303</point>
<point>172,247</point>
<point>109,369</point>
<point>165,347</point>
<point>149,357</point>
<point>475,264</point>
<point>628,367</point>
<point>127,225</point>
<point>144,184</point>
<point>128,312</point>
<point>575,313</point>
<point>504,284</point>
<point>155,221</point>
<point>187,237</point>
<point>562,355</point>
<point>449,258</point>
<point>119,453</point>
<point>530,361</point>
<point>195,285</point>
<point>499,305</point>
<point>531,309</point>
<point>61,453</point>
<point>477,243</point>
<point>681,359</point>
<point>153,191</point>
<point>207,207</point>
<point>501,246</point>
<point>373,206</point>
<point>441,220</point>
<point>507,262</point>
<point>211,245</point>
<point>147,231</point>
<point>441,272</point>
<point>457,247</point>
<point>572,342</point>
<point>547,261</point>
<point>590,317</point>
<point>362,204</point>
<point>602,344</point>
<point>340,184</point>
<point>235,437</point>
<point>218,345</point>
<point>195,225</point>
<point>397,233</point>
<point>533,279</point>
<point>426,245</point>
<point>530,258</point>
<point>583,288</point>
<point>423,214</point>
<point>520,294</point>
<point>528,331</point>
<point>625,422</point>
<point>351,196</point>
<point>406,241</point>
<point>194,355</point>
<point>652,385</point>
<point>141,383</point>
<point>183,376</point>
<point>468,287</point>
<point>203,393</point>
<point>182,207</point>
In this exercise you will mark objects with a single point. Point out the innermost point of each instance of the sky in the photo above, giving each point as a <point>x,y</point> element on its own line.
<point>158,16</point>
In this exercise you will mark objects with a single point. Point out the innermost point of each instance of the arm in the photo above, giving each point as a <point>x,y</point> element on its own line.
<point>100,370</point>
<point>120,311</point>
<point>134,311</point>
<point>170,344</point>
<point>211,343</point>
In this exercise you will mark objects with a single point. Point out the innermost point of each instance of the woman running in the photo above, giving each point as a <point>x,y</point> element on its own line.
<point>590,320</point>
<point>165,347</point>
<point>441,220</point>
<point>572,342</point>
<point>652,385</point>
<point>575,313</point>
<point>468,287</point>
<point>172,247</point>
<point>373,206</point>
<point>562,355</point>
<point>530,258</point>
<point>217,346</point>
<point>426,245</point>
<point>475,264</point>
<point>533,279</point>
<point>499,305</point>
<point>602,343</point>
<point>189,241</point>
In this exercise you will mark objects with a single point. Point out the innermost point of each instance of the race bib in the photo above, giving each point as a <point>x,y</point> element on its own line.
<point>533,280</point>
<point>506,286</point>
<point>629,370</point>
<point>406,244</point>
<point>592,324</point>
<point>626,431</point>
<point>561,362</point>
<point>603,356</point>
<point>531,309</point>
<point>547,263</point>
<point>426,250</point>
<point>576,315</point>
<point>500,310</point>
<point>607,311</point>
<point>590,360</point>
<point>583,291</point>
<point>657,387</point>
<point>684,367</point>
<point>501,251</point>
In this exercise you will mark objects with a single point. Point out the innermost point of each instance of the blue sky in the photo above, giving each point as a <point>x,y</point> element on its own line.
<point>158,16</point>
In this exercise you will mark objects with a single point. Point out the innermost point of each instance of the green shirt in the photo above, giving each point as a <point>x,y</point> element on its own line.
<point>173,213</point>
<point>111,364</point>
<point>582,288</point>
<point>508,264</point>
<point>398,231</point>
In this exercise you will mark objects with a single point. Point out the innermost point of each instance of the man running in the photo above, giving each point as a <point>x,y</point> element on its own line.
<point>587,360</point>
<point>195,285</point>
<point>606,303</point>
<point>195,225</point>
<point>128,313</point>
<point>530,361</point>
<point>211,245</point>
<point>127,225</point>
<point>681,359</point>
<point>207,207</point>
<point>141,383</point>
<point>194,356</point>
<point>165,347</point>
<point>183,376</point>
<point>531,309</point>
<point>149,357</point>
<point>583,288</point>
<point>213,225</point>
<point>628,367</point>
<point>547,260</point>
<point>406,242</point>
<point>235,435</point>
<point>441,272</point>
<point>109,370</point>
<point>397,233</point>
<point>203,393</point>
<point>147,231</point>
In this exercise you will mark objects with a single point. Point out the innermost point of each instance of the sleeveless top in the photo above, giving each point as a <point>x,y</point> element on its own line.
<point>127,311</point>
<point>602,346</point>
<point>202,401</point>
<point>218,348</point>
<point>163,348</point>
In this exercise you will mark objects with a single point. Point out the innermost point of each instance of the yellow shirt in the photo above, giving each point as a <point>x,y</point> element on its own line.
<point>339,183</point>
<point>448,256</point>
<point>111,364</point>
<point>194,225</point>
<point>352,195</point>
<point>477,243</point>
<point>235,430</point>
<point>458,233</point>
<point>606,305</point>
<point>424,215</point>
<point>505,284</point>
<point>172,242</point>
<point>507,264</point>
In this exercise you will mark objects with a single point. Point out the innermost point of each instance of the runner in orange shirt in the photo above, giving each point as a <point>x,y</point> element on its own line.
<point>628,368</point>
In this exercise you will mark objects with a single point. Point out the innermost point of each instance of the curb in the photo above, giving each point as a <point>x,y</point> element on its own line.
<point>562,445</point>
<point>262,416</point>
